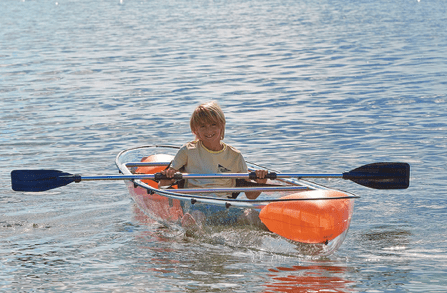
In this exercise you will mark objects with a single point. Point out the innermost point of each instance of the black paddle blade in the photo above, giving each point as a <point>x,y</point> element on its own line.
<point>381,175</point>
<point>40,180</point>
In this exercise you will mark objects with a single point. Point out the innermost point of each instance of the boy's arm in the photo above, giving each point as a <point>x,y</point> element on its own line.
<point>261,179</point>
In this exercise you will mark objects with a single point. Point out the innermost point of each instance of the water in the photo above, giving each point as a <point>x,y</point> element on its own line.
<point>307,86</point>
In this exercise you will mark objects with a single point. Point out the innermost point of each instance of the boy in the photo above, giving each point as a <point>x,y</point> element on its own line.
<point>208,153</point>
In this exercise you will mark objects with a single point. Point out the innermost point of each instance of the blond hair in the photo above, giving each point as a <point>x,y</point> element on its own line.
<point>208,113</point>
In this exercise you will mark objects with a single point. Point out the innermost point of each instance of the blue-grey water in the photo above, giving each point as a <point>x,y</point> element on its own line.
<point>318,86</point>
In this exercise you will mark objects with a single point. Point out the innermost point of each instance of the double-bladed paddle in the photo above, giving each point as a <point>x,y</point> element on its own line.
<point>387,175</point>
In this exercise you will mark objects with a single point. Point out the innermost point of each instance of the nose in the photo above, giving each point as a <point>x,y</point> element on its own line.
<point>208,130</point>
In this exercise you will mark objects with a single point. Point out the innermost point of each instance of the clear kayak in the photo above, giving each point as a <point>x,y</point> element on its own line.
<point>297,210</point>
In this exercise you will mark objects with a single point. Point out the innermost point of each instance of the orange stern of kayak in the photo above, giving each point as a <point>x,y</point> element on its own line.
<point>161,206</point>
<point>309,221</point>
<point>153,169</point>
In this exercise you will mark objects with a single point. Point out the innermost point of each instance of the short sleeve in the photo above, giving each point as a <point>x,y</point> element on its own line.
<point>180,159</point>
<point>242,165</point>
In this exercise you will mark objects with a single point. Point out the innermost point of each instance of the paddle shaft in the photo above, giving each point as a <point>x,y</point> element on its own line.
<point>179,176</point>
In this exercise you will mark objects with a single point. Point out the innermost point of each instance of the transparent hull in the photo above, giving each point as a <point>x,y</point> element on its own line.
<point>230,220</point>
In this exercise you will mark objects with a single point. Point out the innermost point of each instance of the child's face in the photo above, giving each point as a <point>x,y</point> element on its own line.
<point>210,133</point>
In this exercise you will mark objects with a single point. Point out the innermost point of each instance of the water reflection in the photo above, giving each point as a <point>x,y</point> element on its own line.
<point>313,278</point>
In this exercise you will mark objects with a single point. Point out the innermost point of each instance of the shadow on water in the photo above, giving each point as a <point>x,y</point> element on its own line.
<point>386,238</point>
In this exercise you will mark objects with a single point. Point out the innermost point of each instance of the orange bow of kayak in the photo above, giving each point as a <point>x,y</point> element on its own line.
<point>315,221</point>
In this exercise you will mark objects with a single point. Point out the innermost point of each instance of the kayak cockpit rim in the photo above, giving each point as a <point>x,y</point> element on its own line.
<point>294,183</point>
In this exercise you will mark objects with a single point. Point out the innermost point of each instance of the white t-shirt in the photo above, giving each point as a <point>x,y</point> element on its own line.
<point>197,159</point>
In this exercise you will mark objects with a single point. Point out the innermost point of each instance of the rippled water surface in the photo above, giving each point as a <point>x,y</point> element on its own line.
<point>307,86</point>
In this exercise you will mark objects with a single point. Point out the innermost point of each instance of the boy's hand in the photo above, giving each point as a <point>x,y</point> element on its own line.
<point>261,176</point>
<point>169,173</point>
